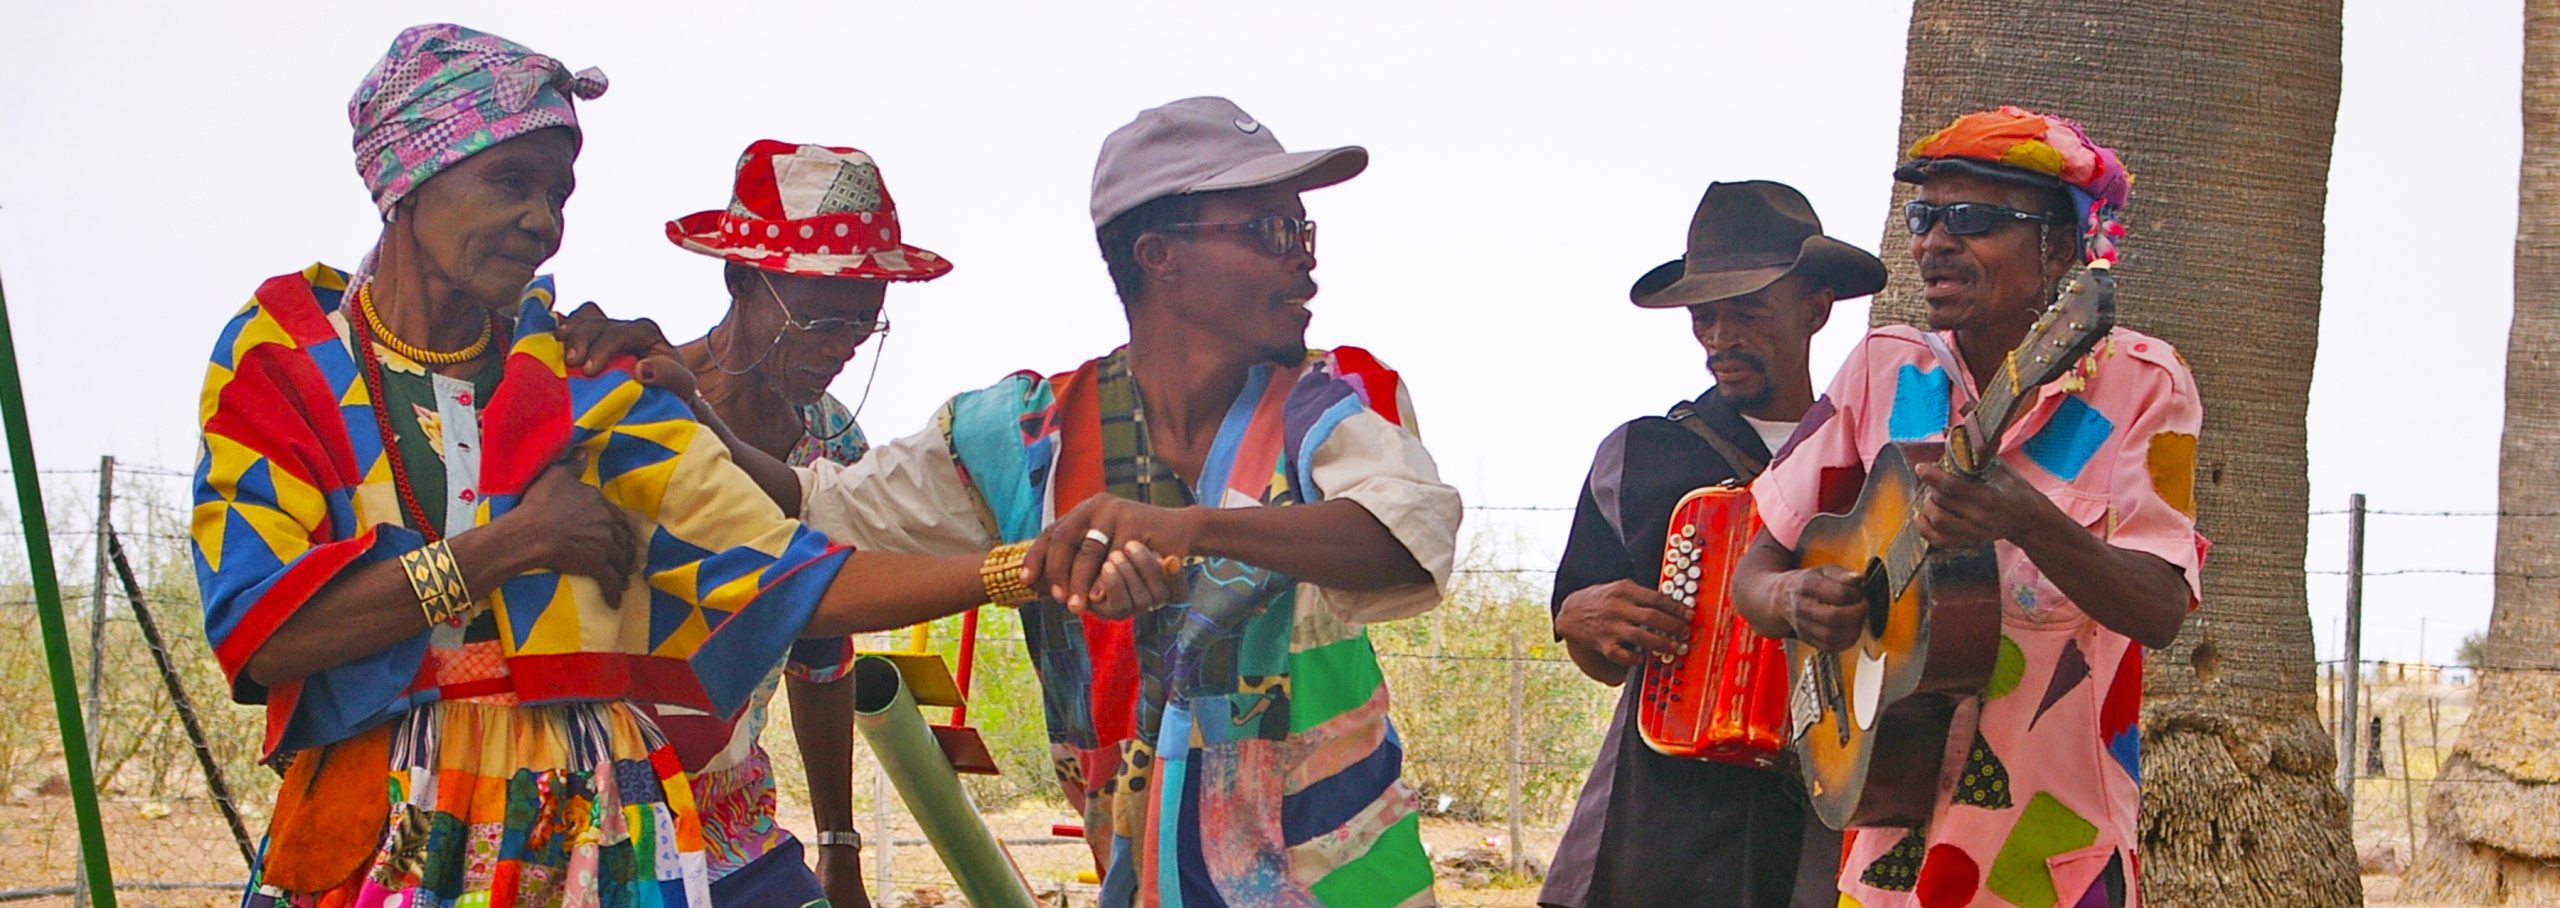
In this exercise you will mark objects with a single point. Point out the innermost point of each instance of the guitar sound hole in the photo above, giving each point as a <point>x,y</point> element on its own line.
<point>1879,599</point>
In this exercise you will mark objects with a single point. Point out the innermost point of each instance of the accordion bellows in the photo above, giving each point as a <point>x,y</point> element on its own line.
<point>1725,699</point>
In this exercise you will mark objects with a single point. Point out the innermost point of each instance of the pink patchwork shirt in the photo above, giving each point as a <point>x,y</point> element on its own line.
<point>2043,813</point>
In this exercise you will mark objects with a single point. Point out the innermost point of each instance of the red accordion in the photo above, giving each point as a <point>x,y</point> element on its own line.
<point>1726,699</point>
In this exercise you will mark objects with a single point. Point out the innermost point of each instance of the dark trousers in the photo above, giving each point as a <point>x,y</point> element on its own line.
<point>780,879</point>
<point>1652,830</point>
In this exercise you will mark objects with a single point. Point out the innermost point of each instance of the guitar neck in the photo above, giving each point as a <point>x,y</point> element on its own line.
<point>1972,442</point>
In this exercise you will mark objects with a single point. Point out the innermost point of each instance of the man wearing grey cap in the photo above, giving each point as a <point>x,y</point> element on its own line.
<point>1232,746</point>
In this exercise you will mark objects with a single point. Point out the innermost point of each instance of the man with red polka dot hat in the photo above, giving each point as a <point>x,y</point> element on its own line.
<point>2088,510</point>
<point>811,241</point>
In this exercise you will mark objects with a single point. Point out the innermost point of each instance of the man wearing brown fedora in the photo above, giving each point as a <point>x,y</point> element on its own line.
<point>1758,281</point>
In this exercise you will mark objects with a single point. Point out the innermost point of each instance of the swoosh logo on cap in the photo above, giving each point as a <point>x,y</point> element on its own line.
<point>1248,125</point>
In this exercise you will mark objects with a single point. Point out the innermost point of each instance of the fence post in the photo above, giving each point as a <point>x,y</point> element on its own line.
<point>883,866</point>
<point>98,606</point>
<point>2408,782</point>
<point>98,633</point>
<point>1511,784</point>
<point>2329,696</point>
<point>2352,667</point>
<point>96,878</point>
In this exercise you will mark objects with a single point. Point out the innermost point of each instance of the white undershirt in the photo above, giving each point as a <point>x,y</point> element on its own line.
<point>1772,434</point>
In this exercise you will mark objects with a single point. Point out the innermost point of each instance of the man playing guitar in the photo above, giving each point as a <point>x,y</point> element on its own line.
<point>1655,830</point>
<point>2088,510</point>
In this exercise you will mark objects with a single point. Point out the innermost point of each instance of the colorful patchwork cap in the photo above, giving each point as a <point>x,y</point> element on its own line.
<point>811,210</point>
<point>443,93</point>
<point>2023,146</point>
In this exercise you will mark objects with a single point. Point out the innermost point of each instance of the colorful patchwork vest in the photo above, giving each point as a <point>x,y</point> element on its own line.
<point>1234,748</point>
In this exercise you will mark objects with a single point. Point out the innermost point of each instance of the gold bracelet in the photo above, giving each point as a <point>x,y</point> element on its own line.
<point>1001,575</point>
<point>437,579</point>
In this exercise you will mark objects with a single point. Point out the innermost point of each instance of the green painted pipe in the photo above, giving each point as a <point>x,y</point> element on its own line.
<point>900,740</point>
<point>57,641</point>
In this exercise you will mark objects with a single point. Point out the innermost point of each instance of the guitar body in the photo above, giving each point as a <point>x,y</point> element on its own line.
<point>1871,723</point>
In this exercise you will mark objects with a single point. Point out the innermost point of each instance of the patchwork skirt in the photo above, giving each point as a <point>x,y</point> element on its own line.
<point>578,805</point>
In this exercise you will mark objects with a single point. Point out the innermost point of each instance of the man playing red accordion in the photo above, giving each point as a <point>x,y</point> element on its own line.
<point>1758,281</point>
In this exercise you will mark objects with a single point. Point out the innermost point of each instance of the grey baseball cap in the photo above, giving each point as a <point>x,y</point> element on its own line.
<point>1205,145</point>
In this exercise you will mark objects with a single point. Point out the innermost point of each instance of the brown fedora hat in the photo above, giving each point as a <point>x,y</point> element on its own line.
<point>1746,236</point>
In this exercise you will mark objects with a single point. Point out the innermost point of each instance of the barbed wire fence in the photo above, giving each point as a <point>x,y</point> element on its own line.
<point>1499,724</point>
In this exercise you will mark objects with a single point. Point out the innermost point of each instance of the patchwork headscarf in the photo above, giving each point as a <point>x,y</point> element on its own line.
<point>443,93</point>
<point>2021,145</point>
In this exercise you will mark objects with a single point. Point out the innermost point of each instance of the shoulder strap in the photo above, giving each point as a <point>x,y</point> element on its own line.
<point>1954,365</point>
<point>1745,466</point>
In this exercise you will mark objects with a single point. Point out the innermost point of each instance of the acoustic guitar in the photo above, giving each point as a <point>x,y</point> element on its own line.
<point>1870,723</point>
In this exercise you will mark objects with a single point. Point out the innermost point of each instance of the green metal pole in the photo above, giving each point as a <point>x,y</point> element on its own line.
<point>886,714</point>
<point>57,640</point>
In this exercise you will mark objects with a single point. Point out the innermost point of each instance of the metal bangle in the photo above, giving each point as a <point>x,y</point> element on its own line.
<point>436,577</point>
<point>850,838</point>
<point>1001,575</point>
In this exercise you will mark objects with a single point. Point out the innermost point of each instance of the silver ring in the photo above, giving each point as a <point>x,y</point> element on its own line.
<point>1097,535</point>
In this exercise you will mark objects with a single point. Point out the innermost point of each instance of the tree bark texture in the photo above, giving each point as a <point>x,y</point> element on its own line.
<point>2225,114</point>
<point>2490,816</point>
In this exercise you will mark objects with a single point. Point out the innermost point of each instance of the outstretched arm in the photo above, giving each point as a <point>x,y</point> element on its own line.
<point>1334,544</point>
<point>876,591</point>
<point>1379,531</point>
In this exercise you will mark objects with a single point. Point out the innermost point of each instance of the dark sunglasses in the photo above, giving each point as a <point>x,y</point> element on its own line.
<point>1280,235</point>
<point>1964,218</point>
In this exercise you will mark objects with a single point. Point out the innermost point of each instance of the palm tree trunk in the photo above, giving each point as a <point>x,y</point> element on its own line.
<point>2225,113</point>
<point>2491,836</point>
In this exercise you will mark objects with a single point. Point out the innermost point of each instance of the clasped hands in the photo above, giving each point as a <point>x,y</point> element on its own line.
<point>1113,558</point>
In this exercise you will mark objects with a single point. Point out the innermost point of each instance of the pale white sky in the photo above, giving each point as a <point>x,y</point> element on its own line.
<point>1529,161</point>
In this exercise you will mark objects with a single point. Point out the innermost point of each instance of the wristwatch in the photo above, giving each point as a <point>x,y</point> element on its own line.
<point>850,838</point>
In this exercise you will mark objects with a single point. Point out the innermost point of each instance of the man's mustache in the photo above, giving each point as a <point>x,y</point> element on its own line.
<point>1946,265</point>
<point>1738,358</point>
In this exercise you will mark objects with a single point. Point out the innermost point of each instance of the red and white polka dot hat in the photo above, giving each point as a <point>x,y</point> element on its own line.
<point>810,210</point>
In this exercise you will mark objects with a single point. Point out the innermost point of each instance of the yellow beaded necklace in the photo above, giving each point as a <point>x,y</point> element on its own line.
<point>416,354</point>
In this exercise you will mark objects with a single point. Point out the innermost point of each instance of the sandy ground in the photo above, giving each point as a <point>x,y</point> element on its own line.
<point>154,841</point>
<point>39,847</point>
<point>190,844</point>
